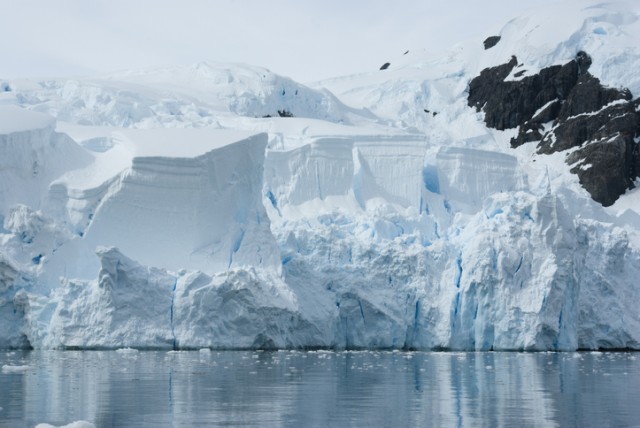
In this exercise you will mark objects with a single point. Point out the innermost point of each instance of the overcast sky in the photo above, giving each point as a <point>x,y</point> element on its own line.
<point>306,40</point>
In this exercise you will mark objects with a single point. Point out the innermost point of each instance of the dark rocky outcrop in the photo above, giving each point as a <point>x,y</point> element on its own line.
<point>564,107</point>
<point>281,113</point>
<point>604,167</point>
<point>491,42</point>
<point>582,128</point>
<point>285,113</point>
<point>508,104</point>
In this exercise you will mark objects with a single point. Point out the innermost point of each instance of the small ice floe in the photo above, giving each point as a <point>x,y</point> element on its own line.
<point>7,368</point>
<point>127,351</point>
<point>76,424</point>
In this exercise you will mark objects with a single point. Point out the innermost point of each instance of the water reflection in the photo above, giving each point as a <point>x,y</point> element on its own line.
<point>320,388</point>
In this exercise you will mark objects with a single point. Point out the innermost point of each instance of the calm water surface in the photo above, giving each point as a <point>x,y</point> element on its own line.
<point>129,389</point>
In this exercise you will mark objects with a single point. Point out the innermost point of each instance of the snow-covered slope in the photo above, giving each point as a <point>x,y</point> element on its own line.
<point>182,207</point>
<point>192,96</point>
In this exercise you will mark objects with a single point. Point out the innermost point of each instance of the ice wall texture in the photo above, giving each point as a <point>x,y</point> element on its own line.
<point>521,275</point>
<point>201,213</point>
<point>33,155</point>
<point>518,271</point>
<point>392,218</point>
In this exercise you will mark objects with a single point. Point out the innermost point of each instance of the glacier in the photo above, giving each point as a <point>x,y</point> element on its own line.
<point>173,208</point>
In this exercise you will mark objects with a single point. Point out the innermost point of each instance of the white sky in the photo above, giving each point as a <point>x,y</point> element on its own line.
<point>306,40</point>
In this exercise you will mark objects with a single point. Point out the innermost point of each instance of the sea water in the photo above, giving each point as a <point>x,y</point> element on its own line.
<point>127,388</point>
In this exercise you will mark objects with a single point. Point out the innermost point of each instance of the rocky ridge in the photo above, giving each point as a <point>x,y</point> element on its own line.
<point>566,109</point>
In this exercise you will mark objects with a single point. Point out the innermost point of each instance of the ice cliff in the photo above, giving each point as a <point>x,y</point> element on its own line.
<point>466,202</point>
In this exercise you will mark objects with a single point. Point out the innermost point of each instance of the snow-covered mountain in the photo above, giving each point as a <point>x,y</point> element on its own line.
<point>484,199</point>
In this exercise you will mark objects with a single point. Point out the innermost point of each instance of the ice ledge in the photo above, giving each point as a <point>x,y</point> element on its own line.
<point>16,119</point>
<point>203,212</point>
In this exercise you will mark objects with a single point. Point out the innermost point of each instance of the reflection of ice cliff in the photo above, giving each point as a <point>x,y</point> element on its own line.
<point>194,388</point>
<point>337,228</point>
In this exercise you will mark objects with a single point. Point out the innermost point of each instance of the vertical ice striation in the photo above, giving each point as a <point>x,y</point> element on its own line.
<point>170,210</point>
<point>471,175</point>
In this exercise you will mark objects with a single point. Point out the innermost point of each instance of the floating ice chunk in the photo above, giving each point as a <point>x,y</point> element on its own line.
<point>7,368</point>
<point>127,351</point>
<point>76,424</point>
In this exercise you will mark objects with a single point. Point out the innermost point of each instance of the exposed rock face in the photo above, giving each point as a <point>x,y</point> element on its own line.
<point>564,107</point>
<point>491,42</point>
<point>511,103</point>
